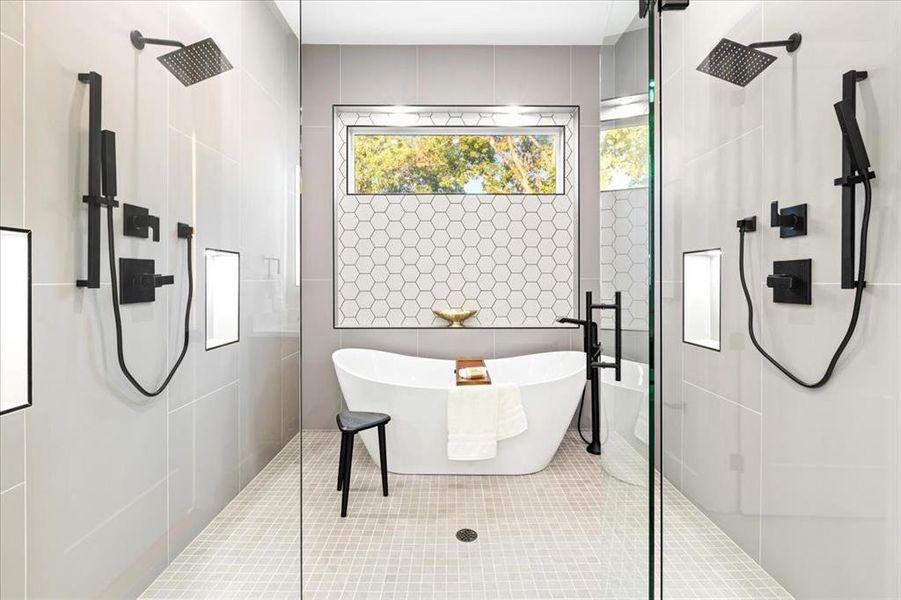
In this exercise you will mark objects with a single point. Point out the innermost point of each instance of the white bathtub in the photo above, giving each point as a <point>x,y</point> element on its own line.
<point>414,392</point>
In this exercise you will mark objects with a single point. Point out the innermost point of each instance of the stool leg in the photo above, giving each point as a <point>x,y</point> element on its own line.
<point>383,458</point>
<point>348,458</point>
<point>341,460</point>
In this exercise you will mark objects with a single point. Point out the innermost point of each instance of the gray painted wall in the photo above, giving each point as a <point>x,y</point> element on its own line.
<point>115,485</point>
<point>807,482</point>
<point>429,75</point>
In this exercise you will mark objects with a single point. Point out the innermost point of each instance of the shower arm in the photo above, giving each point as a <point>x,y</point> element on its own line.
<point>138,41</point>
<point>790,45</point>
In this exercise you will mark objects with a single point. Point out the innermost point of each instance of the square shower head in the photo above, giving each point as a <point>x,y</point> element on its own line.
<point>735,63</point>
<point>196,62</point>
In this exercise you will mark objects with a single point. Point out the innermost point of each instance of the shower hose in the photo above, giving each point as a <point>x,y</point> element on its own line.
<point>114,286</point>
<point>858,297</point>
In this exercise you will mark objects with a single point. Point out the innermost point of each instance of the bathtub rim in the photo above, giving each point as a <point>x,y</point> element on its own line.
<point>335,364</point>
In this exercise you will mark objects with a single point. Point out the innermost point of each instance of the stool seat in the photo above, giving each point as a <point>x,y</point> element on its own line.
<point>354,421</point>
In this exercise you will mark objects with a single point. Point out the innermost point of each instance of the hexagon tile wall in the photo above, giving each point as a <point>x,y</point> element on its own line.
<point>624,254</point>
<point>511,256</point>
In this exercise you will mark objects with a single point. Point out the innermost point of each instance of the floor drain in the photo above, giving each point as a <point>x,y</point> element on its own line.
<point>467,535</point>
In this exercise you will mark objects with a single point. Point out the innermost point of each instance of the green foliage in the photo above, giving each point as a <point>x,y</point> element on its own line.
<point>424,164</point>
<point>624,157</point>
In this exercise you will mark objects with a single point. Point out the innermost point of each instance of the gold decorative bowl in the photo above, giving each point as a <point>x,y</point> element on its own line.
<point>455,316</point>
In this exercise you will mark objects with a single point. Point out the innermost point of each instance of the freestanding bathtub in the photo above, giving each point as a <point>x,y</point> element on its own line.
<point>414,392</point>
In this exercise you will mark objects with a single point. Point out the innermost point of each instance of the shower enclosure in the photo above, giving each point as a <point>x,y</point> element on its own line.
<point>796,472</point>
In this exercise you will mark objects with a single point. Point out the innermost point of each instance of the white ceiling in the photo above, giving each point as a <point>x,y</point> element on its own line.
<point>290,9</point>
<point>511,22</point>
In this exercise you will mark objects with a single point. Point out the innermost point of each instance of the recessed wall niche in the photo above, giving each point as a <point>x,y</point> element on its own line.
<point>15,319</point>
<point>223,293</point>
<point>701,298</point>
<point>510,252</point>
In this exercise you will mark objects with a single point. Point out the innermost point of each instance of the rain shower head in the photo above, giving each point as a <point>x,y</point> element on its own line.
<point>190,64</point>
<point>739,64</point>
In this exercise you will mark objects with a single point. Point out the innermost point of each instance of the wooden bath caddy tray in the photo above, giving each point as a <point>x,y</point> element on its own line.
<point>463,363</point>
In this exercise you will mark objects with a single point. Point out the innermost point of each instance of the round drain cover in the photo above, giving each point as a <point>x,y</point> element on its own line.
<point>467,535</point>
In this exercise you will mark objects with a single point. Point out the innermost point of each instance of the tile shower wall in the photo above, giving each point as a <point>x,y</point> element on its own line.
<point>115,485</point>
<point>624,254</point>
<point>806,481</point>
<point>446,75</point>
<point>511,257</point>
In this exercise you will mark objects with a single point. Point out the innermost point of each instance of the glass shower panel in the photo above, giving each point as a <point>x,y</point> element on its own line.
<point>793,491</point>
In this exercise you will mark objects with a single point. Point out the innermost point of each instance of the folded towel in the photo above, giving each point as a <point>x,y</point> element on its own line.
<point>479,416</point>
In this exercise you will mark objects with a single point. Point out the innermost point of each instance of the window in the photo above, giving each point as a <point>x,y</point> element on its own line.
<point>455,160</point>
<point>624,143</point>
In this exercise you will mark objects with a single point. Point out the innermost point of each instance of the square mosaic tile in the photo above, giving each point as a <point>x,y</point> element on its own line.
<point>577,530</point>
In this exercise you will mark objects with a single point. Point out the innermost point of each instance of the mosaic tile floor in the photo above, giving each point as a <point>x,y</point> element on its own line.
<point>251,549</point>
<point>572,531</point>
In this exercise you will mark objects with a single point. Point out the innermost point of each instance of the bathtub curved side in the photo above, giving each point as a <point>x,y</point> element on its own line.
<point>417,434</point>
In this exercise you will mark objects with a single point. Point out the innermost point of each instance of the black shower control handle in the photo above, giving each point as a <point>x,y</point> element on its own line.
<point>157,280</point>
<point>136,220</point>
<point>781,281</point>
<point>791,220</point>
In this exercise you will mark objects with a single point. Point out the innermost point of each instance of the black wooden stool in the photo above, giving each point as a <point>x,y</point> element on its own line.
<point>350,423</point>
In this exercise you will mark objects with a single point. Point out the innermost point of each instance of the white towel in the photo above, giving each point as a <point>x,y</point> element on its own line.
<point>480,415</point>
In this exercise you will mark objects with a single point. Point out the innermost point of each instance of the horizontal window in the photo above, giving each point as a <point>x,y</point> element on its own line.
<point>455,160</point>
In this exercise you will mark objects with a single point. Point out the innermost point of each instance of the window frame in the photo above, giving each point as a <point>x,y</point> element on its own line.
<point>558,131</point>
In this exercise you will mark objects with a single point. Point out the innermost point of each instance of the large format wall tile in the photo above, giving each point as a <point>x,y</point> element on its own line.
<point>320,394</point>
<point>12,449</point>
<point>203,463</point>
<point>56,126</point>
<point>378,74</point>
<point>12,543</point>
<point>455,75</point>
<point>96,448</point>
<point>320,85</point>
<point>721,464</point>
<point>830,461</point>
<point>532,75</point>
<point>12,114</point>
<point>11,13</point>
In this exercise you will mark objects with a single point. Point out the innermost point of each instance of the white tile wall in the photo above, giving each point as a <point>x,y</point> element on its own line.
<point>114,485</point>
<point>806,481</point>
<point>512,257</point>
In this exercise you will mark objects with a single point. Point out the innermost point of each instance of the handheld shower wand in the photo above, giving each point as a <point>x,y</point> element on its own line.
<point>853,145</point>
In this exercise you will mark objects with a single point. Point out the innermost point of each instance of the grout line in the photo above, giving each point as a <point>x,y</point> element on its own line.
<point>11,488</point>
<point>494,74</point>
<point>208,394</point>
<point>703,389</point>
<point>12,39</point>
<point>24,221</point>
<point>200,143</point>
<point>169,308</point>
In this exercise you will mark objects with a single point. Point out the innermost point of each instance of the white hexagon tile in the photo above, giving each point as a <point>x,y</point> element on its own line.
<point>511,256</point>
<point>624,254</point>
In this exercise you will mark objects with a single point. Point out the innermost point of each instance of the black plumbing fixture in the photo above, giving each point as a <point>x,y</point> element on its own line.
<point>100,192</point>
<point>738,63</point>
<point>190,64</point>
<point>791,221</point>
<point>790,275</point>
<point>136,220</point>
<point>592,348</point>
<point>139,279</point>
<point>790,281</point>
